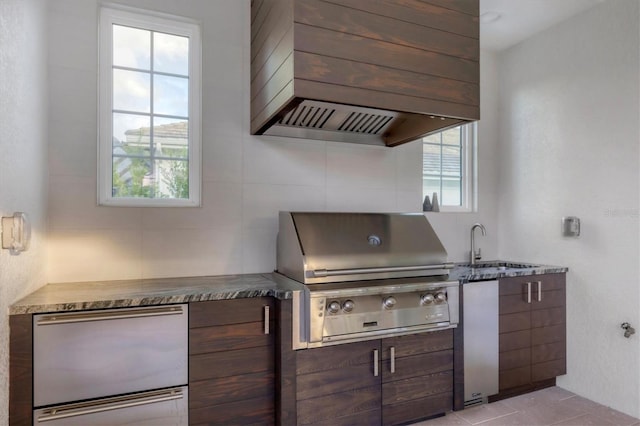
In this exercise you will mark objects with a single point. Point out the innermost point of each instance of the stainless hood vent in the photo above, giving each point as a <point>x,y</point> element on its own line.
<point>381,73</point>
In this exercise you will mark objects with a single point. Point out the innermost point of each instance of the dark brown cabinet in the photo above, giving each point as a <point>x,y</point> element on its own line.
<point>231,362</point>
<point>389,381</point>
<point>532,332</point>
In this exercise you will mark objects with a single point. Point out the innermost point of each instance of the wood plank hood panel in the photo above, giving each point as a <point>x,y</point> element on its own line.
<point>381,72</point>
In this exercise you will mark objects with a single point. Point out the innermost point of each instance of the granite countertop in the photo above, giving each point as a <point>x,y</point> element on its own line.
<point>119,294</point>
<point>64,297</point>
<point>492,270</point>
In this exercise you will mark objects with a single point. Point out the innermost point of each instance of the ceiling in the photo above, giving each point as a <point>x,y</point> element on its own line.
<point>521,19</point>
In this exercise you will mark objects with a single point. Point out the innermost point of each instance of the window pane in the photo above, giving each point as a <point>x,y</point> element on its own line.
<point>131,47</point>
<point>172,178</point>
<point>171,95</point>
<point>131,134</point>
<point>451,192</point>
<point>170,54</point>
<point>431,159</point>
<point>451,165</point>
<point>429,186</point>
<point>132,177</point>
<point>451,136</point>
<point>433,138</point>
<point>171,137</point>
<point>131,91</point>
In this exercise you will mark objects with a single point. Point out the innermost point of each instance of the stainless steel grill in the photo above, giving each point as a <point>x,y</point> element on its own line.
<point>366,275</point>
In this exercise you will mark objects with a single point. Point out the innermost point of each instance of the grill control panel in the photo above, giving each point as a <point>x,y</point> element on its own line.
<point>336,316</point>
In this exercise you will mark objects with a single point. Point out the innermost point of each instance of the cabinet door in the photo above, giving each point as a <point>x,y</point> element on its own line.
<point>417,376</point>
<point>532,329</point>
<point>339,385</point>
<point>548,328</point>
<point>231,362</point>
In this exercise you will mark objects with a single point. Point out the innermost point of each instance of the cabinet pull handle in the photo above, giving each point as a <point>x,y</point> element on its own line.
<point>393,359</point>
<point>117,403</point>
<point>528,292</point>
<point>266,319</point>
<point>539,291</point>
<point>375,363</point>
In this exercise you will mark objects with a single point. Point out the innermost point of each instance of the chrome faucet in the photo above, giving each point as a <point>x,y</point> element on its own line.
<point>476,255</point>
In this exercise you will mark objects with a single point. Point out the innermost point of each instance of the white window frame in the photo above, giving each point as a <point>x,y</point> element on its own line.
<point>468,139</point>
<point>161,23</point>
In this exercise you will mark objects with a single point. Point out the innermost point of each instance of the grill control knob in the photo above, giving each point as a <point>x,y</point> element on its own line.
<point>389,302</point>
<point>427,299</point>
<point>334,307</point>
<point>348,305</point>
<point>441,297</point>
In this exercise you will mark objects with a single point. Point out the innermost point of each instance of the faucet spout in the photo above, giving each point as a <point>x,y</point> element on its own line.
<point>475,256</point>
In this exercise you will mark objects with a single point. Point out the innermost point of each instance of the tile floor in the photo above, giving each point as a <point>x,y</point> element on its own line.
<point>551,406</point>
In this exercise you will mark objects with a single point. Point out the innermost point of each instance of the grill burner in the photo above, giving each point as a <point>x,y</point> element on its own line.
<point>366,276</point>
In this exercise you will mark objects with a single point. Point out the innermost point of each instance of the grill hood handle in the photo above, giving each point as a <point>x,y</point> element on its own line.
<point>319,273</point>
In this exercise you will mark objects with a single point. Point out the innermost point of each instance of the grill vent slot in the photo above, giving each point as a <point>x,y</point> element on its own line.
<point>307,116</point>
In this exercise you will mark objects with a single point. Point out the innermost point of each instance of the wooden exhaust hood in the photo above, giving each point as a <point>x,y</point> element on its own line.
<point>380,72</point>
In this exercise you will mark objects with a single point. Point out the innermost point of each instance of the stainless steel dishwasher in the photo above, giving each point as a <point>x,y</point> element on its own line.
<point>480,316</point>
<point>111,367</point>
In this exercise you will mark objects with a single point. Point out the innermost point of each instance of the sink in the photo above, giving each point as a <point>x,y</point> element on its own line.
<point>489,267</point>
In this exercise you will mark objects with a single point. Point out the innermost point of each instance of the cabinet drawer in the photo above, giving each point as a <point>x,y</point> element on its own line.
<point>416,409</point>
<point>417,365</point>
<point>413,344</point>
<point>417,387</point>
<point>223,312</point>
<point>229,337</point>
<point>93,354</point>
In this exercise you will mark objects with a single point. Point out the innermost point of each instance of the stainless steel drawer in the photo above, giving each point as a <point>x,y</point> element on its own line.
<point>165,407</point>
<point>93,354</point>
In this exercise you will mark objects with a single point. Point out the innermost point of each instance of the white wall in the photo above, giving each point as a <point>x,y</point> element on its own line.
<point>247,179</point>
<point>569,138</point>
<point>23,156</point>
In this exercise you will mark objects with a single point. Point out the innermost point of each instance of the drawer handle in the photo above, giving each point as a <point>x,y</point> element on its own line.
<point>528,292</point>
<point>392,351</point>
<point>375,363</point>
<point>266,319</point>
<point>539,291</point>
<point>108,315</point>
<point>83,409</point>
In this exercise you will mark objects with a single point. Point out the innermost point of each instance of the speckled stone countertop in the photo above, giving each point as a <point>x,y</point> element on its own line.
<point>65,297</point>
<point>118,294</point>
<point>492,270</point>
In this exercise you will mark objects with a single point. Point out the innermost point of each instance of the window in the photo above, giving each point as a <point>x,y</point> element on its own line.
<point>149,144</point>
<point>447,168</point>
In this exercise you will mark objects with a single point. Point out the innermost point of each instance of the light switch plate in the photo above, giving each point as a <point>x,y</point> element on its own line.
<point>16,233</point>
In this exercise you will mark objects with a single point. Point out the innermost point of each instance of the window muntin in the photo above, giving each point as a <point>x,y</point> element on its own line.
<point>447,167</point>
<point>149,110</point>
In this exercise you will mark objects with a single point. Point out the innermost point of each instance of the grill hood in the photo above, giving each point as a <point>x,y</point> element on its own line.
<point>330,247</point>
<point>379,72</point>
